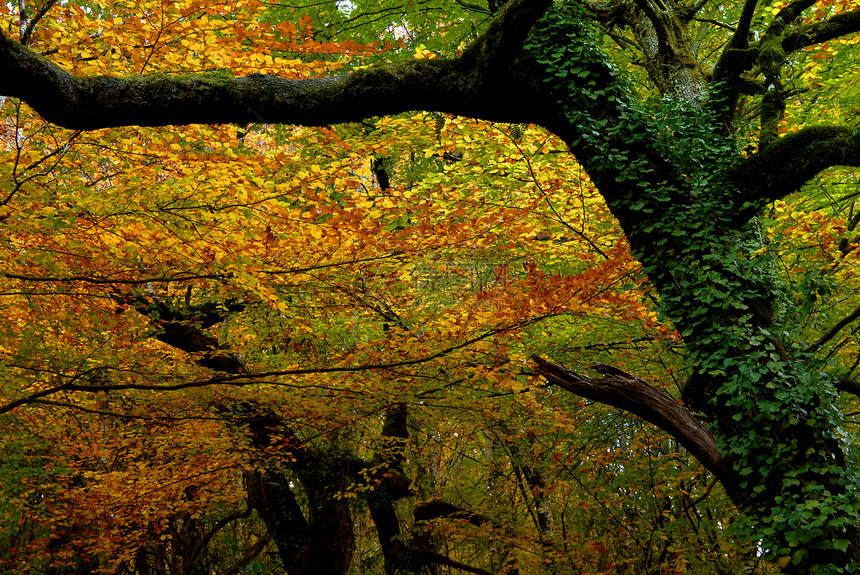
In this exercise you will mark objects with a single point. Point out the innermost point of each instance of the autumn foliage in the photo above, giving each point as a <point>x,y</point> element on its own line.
<point>190,312</point>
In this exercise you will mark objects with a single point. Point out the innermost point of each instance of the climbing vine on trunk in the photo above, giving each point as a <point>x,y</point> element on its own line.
<point>772,408</point>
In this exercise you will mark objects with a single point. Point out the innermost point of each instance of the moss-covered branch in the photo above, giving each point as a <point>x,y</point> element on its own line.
<point>503,40</point>
<point>468,86</point>
<point>214,97</point>
<point>819,32</point>
<point>789,162</point>
<point>769,54</point>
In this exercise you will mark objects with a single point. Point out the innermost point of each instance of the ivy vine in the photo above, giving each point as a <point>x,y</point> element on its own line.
<point>775,413</point>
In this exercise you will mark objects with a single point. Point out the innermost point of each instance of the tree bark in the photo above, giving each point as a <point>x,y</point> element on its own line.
<point>631,393</point>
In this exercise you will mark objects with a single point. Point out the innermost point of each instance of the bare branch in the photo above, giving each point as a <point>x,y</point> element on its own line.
<point>741,37</point>
<point>633,394</point>
<point>831,333</point>
<point>242,379</point>
<point>431,557</point>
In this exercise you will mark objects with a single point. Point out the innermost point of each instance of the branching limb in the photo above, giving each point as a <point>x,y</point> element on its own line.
<point>316,536</point>
<point>603,11</point>
<point>393,485</point>
<point>497,47</point>
<point>770,54</point>
<point>690,10</point>
<point>184,329</point>
<point>633,394</point>
<point>31,398</point>
<point>27,30</point>
<point>276,504</point>
<point>420,552</point>
<point>473,7</point>
<point>788,14</point>
<point>661,30</point>
<point>771,57</point>
<point>250,554</point>
<point>218,526</point>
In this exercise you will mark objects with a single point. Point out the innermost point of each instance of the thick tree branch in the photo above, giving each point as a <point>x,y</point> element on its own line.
<point>633,394</point>
<point>316,537</point>
<point>433,558</point>
<point>393,486</point>
<point>789,162</point>
<point>735,58</point>
<point>848,385</point>
<point>661,31</point>
<point>282,515</point>
<point>218,526</point>
<point>787,15</point>
<point>769,54</point>
<point>250,554</point>
<point>811,34</point>
<point>183,329</point>
<point>467,86</point>
<point>502,41</point>
<point>771,57</point>
<point>155,100</point>
<point>740,39</point>
<point>437,508</point>
<point>474,7</point>
<point>689,11</point>
<point>420,553</point>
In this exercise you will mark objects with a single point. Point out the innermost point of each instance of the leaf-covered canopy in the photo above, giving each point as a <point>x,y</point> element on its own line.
<point>315,287</point>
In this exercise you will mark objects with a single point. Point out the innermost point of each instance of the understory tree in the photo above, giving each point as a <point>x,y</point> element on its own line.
<point>256,256</point>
